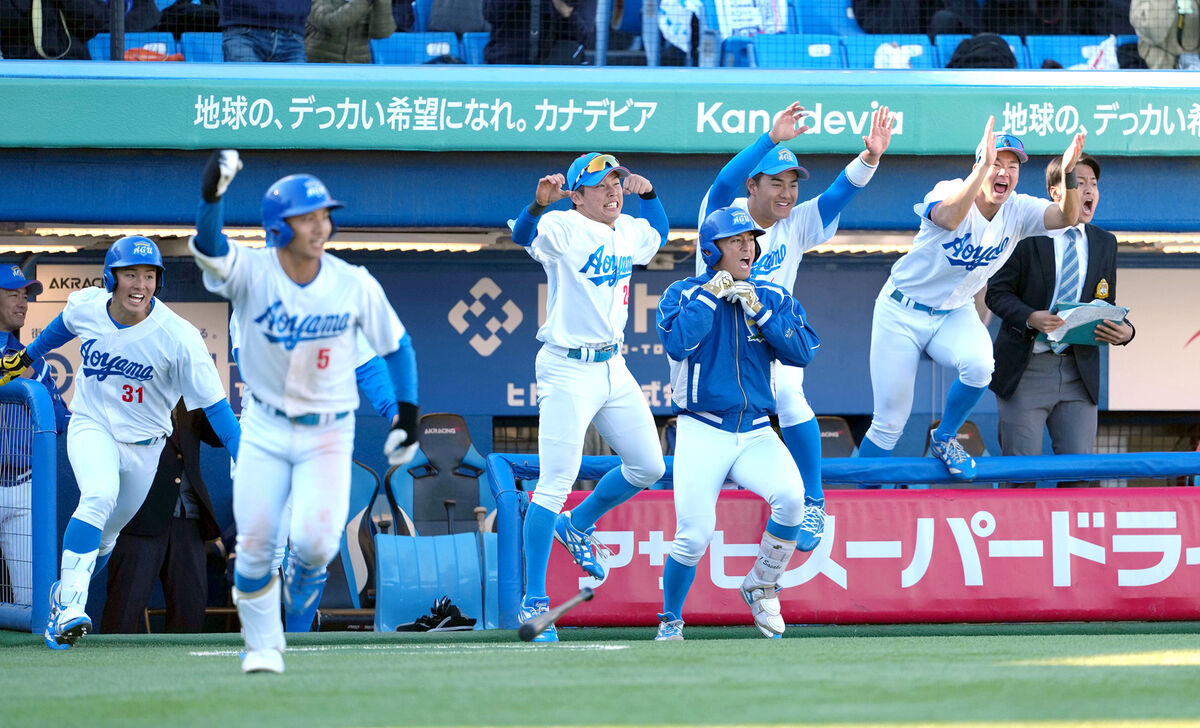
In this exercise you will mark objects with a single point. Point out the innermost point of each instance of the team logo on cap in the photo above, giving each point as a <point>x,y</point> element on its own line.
<point>141,249</point>
<point>16,271</point>
<point>785,155</point>
<point>315,188</point>
<point>741,218</point>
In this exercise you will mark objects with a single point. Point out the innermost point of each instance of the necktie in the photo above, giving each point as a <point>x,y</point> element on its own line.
<point>1070,279</point>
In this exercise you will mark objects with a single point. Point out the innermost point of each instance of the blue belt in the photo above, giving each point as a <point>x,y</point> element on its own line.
<point>604,354</point>
<point>906,301</point>
<point>310,420</point>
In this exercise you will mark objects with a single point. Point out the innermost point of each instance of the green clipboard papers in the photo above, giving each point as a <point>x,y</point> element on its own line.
<point>1081,321</point>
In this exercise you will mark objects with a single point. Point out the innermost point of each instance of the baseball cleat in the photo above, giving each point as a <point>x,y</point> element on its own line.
<point>582,545</point>
<point>950,451</point>
<point>670,628</point>
<point>532,607</point>
<point>66,625</point>
<point>764,606</point>
<point>265,660</point>
<point>812,528</point>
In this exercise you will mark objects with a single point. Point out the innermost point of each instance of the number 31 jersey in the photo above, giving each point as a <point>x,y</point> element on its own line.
<point>130,378</point>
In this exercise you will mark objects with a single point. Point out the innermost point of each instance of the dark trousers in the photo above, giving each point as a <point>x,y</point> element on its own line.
<point>177,558</point>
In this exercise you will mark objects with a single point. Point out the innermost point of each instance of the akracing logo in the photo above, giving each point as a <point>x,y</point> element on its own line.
<point>485,288</point>
<point>440,431</point>
<point>610,269</point>
<point>282,328</point>
<point>102,365</point>
<point>961,253</point>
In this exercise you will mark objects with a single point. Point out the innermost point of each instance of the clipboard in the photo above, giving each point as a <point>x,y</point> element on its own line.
<point>1081,322</point>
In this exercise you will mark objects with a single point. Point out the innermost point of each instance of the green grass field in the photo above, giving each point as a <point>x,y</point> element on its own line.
<point>989,675</point>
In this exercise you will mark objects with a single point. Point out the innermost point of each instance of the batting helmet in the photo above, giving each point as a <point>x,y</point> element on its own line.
<point>296,194</point>
<point>723,223</point>
<point>129,251</point>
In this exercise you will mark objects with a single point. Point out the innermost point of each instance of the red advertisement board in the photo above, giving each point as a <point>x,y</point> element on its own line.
<point>917,556</point>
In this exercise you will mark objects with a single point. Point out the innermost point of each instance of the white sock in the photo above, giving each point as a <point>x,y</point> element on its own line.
<point>262,622</point>
<point>76,577</point>
<point>772,559</point>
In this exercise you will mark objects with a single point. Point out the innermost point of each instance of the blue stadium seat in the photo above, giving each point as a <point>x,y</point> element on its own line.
<point>472,47</point>
<point>788,50</point>
<point>421,10</point>
<point>946,44</point>
<point>861,49</point>
<point>400,49</point>
<point>98,46</point>
<point>1066,49</point>
<point>201,47</point>
<point>831,17</point>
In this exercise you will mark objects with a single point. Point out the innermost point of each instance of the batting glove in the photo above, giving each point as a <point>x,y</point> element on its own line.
<point>401,444</point>
<point>222,166</point>
<point>12,365</point>
<point>720,285</point>
<point>744,293</point>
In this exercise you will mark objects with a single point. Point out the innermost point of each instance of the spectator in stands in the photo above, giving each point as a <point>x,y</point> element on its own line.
<point>567,28</point>
<point>338,31</point>
<point>1166,39</point>
<point>66,27</point>
<point>269,31</point>
<point>896,16</point>
<point>1037,385</point>
<point>15,469</point>
<point>1033,17</point>
<point>166,539</point>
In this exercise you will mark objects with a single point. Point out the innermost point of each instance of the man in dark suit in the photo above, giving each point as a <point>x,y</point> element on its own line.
<point>166,538</point>
<point>1038,386</point>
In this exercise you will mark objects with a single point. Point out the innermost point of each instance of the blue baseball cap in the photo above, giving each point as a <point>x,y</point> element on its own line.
<point>12,279</point>
<point>1006,143</point>
<point>780,159</point>
<point>591,168</point>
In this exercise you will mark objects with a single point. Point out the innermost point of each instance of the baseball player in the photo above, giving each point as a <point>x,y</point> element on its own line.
<point>968,230</point>
<point>724,331</point>
<point>763,179</point>
<point>139,357</point>
<point>298,313</point>
<point>588,253</point>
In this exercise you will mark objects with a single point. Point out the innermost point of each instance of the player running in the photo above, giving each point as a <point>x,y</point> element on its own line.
<point>968,230</point>
<point>723,331</point>
<point>763,179</point>
<point>588,253</point>
<point>299,310</point>
<point>138,358</point>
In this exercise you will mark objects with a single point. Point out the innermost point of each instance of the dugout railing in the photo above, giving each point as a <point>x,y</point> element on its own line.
<point>506,471</point>
<point>28,454</point>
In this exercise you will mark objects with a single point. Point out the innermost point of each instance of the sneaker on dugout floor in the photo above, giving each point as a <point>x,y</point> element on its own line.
<point>950,451</point>
<point>764,606</point>
<point>581,544</point>
<point>532,607</point>
<point>268,659</point>
<point>812,528</point>
<point>670,628</point>
<point>65,626</point>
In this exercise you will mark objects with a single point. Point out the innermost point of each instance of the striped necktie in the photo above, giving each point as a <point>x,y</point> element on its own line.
<point>1067,289</point>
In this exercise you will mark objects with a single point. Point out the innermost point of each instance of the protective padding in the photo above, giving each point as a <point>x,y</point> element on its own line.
<point>413,572</point>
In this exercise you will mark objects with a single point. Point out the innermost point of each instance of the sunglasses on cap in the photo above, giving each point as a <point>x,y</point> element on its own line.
<point>597,164</point>
<point>1008,141</point>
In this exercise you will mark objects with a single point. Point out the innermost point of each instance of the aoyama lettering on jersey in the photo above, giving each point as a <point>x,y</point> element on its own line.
<point>365,352</point>
<point>130,378</point>
<point>946,268</point>
<point>784,243</point>
<point>588,265</point>
<point>298,345</point>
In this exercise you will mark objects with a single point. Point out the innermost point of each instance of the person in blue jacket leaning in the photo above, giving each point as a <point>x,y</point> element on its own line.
<point>724,332</point>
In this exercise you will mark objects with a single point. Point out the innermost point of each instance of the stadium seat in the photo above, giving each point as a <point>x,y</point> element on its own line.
<point>201,47</point>
<point>787,50</point>
<point>836,439</point>
<point>351,574</point>
<point>861,51</point>
<point>421,10</point>
<point>947,43</point>
<point>831,17</point>
<point>1069,50</point>
<point>472,47</point>
<point>401,49</point>
<point>99,51</point>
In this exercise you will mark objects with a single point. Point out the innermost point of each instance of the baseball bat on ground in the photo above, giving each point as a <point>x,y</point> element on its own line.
<point>542,622</point>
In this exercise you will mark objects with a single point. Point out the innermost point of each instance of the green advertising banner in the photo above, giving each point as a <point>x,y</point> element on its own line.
<point>442,108</point>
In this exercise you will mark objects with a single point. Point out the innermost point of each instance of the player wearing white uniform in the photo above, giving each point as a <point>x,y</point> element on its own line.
<point>969,228</point>
<point>588,253</point>
<point>769,175</point>
<point>298,312</point>
<point>138,358</point>
<point>725,333</point>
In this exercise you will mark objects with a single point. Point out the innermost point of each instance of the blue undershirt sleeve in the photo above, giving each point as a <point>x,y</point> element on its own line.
<point>220,417</point>
<point>52,337</point>
<point>402,365</point>
<point>654,213</point>
<point>375,381</point>
<point>525,229</point>
<point>833,200</point>
<point>731,180</point>
<point>210,218</point>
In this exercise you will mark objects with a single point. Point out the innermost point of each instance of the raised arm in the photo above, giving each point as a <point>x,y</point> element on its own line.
<point>858,173</point>
<point>1066,212</point>
<point>220,170</point>
<point>731,180</point>
<point>549,190</point>
<point>949,213</point>
<point>652,210</point>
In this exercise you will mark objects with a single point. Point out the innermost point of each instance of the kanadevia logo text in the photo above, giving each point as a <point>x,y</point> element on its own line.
<point>485,293</point>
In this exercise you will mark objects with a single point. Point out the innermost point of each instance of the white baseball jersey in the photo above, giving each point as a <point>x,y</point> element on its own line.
<point>589,264</point>
<point>297,344</point>
<point>365,352</point>
<point>130,378</point>
<point>784,243</point>
<point>944,269</point>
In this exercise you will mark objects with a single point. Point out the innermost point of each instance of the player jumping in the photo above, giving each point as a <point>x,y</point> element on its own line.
<point>723,332</point>
<point>969,228</point>
<point>767,173</point>
<point>138,358</point>
<point>588,253</point>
